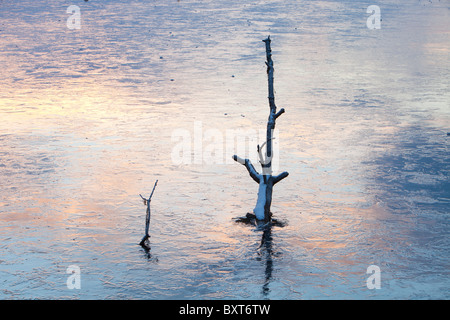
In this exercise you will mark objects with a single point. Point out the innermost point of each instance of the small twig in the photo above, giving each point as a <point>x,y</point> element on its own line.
<point>279,113</point>
<point>268,159</point>
<point>280,177</point>
<point>147,217</point>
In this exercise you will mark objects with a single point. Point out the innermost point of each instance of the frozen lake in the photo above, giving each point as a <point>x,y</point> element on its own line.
<point>88,118</point>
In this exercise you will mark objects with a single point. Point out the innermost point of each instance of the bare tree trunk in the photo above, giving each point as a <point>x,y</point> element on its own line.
<point>265,180</point>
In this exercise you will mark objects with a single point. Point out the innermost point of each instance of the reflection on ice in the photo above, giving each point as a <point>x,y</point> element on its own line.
<point>87,120</point>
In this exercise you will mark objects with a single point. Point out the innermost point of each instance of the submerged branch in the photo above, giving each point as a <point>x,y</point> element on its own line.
<point>147,217</point>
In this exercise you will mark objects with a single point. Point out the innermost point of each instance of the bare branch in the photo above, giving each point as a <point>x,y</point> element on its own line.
<point>262,161</point>
<point>280,177</point>
<point>156,182</point>
<point>239,159</point>
<point>250,168</point>
<point>279,113</point>
<point>145,200</point>
<point>270,70</point>
<point>147,216</point>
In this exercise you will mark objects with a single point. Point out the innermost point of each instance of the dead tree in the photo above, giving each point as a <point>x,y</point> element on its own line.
<point>147,217</point>
<point>265,180</point>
